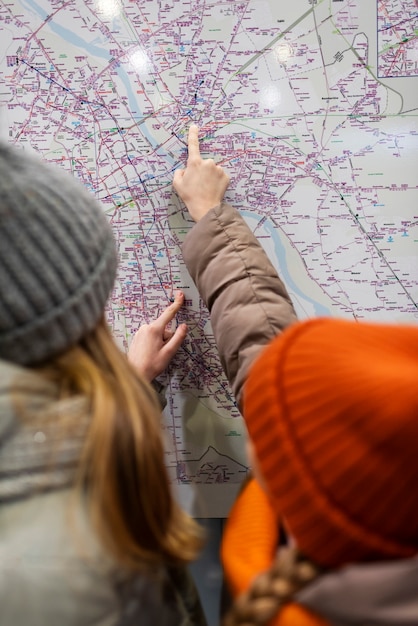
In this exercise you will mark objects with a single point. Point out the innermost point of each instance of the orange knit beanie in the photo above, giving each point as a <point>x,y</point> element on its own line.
<point>332,409</point>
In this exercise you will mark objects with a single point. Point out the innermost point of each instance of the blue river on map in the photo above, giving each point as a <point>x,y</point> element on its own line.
<point>96,51</point>
<point>282,265</point>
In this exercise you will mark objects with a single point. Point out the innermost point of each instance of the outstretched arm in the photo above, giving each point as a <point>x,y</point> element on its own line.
<point>247,301</point>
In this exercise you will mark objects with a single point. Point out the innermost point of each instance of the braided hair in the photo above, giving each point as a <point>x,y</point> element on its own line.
<point>271,590</point>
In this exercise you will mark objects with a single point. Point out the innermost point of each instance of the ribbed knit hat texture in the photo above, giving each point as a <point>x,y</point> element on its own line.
<point>57,259</point>
<point>332,409</point>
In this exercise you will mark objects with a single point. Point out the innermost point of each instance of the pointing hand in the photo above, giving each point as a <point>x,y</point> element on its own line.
<point>202,184</point>
<point>154,345</point>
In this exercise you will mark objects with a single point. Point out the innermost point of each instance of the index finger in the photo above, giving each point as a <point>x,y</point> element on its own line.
<point>170,312</point>
<point>193,143</point>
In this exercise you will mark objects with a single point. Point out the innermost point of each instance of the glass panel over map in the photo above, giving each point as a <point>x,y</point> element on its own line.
<point>310,106</point>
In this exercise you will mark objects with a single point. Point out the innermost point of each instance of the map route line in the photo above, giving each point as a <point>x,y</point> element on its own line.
<point>75,96</point>
<point>348,305</point>
<point>395,26</point>
<point>275,40</point>
<point>368,67</point>
<point>366,234</point>
<point>396,45</point>
<point>218,452</point>
<point>381,255</point>
<point>223,386</point>
<point>333,186</point>
<point>157,274</point>
<point>328,106</point>
<point>66,89</point>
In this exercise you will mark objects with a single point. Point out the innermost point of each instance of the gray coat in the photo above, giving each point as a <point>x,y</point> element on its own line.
<point>52,569</point>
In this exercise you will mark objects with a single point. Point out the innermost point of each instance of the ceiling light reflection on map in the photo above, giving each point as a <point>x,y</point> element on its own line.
<point>270,97</point>
<point>282,52</point>
<point>109,9</point>
<point>140,61</point>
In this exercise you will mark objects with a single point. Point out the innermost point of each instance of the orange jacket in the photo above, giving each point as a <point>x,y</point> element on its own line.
<point>249,546</point>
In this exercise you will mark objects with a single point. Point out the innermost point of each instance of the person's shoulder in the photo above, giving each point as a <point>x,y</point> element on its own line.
<point>44,548</point>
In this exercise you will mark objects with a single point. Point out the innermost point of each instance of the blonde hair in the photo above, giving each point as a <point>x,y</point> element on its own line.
<point>272,589</point>
<point>121,469</point>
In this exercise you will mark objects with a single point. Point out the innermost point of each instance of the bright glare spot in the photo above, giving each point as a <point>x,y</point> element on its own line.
<point>140,62</point>
<point>270,97</point>
<point>282,52</point>
<point>109,9</point>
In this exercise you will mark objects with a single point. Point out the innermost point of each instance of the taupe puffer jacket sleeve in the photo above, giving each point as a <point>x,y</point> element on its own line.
<point>247,301</point>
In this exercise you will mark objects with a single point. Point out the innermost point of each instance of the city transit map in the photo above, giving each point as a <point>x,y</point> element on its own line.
<point>310,106</point>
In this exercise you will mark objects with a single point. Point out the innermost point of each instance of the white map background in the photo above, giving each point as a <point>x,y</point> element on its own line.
<point>311,106</point>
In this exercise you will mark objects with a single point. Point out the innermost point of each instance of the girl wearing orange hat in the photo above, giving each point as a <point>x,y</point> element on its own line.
<point>332,412</point>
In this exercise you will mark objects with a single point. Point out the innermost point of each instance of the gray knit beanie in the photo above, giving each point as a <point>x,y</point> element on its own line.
<point>57,259</point>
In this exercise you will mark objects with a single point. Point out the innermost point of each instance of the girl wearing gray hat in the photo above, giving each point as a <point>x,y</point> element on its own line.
<point>89,530</point>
